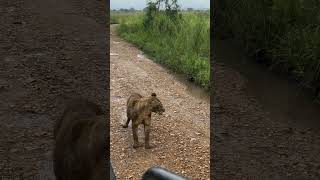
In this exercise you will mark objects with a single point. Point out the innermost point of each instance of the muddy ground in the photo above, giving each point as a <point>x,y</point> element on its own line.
<point>181,135</point>
<point>251,143</point>
<point>48,48</point>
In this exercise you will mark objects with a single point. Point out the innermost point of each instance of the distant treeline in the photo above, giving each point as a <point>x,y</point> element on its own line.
<point>133,10</point>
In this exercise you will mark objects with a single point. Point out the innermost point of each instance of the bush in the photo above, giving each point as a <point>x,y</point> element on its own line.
<point>179,41</point>
<point>287,30</point>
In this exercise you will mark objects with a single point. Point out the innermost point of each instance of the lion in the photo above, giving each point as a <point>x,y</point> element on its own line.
<point>139,110</point>
<point>80,142</point>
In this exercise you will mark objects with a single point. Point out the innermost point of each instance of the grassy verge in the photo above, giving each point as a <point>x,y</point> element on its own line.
<point>287,32</point>
<point>181,45</point>
<point>117,17</point>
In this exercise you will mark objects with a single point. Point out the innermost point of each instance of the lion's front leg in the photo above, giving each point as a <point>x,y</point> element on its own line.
<point>136,143</point>
<point>147,136</point>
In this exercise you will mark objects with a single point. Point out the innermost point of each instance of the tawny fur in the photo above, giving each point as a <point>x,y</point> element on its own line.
<point>139,110</point>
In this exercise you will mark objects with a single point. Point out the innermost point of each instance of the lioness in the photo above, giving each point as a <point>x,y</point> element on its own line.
<point>80,142</point>
<point>139,110</point>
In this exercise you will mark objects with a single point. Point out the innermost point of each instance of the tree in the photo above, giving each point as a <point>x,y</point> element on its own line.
<point>151,11</point>
<point>171,7</point>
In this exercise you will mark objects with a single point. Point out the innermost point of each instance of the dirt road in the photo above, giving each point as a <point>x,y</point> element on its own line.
<point>181,135</point>
<point>48,48</point>
<point>251,142</point>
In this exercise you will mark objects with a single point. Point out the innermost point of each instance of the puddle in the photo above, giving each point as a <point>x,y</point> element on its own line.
<point>192,88</point>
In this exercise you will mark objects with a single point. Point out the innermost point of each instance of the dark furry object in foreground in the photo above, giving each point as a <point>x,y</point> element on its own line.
<point>80,142</point>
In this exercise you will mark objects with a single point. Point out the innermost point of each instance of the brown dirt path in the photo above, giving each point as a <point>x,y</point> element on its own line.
<point>48,48</point>
<point>249,143</point>
<point>181,135</point>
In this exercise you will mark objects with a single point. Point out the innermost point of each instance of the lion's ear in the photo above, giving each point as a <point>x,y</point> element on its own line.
<point>153,94</point>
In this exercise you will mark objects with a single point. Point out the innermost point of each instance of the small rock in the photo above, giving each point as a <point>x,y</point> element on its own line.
<point>68,81</point>
<point>30,148</point>
<point>8,59</point>
<point>14,150</point>
<point>18,22</point>
<point>114,54</point>
<point>192,140</point>
<point>140,56</point>
<point>11,9</point>
<point>30,80</point>
<point>42,133</point>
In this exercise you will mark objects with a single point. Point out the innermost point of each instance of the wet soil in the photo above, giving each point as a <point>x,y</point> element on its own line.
<point>264,126</point>
<point>181,135</point>
<point>48,48</point>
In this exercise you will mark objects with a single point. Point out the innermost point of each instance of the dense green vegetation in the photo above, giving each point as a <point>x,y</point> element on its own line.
<point>119,16</point>
<point>286,31</point>
<point>178,40</point>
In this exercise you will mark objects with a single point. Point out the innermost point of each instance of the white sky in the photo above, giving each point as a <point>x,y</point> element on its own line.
<point>140,4</point>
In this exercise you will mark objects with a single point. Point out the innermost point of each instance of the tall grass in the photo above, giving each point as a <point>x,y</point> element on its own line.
<point>286,30</point>
<point>118,17</point>
<point>183,45</point>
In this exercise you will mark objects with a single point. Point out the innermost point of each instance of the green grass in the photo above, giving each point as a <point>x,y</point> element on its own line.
<point>181,45</point>
<point>117,17</point>
<point>287,30</point>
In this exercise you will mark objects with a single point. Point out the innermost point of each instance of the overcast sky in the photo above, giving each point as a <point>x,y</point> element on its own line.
<point>140,4</point>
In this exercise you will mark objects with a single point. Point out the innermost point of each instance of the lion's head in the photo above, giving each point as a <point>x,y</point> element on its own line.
<point>156,105</point>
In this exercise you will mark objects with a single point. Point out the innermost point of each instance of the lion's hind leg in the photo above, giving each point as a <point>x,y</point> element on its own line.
<point>127,123</point>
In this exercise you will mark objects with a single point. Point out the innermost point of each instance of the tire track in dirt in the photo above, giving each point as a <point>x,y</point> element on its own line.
<point>181,135</point>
